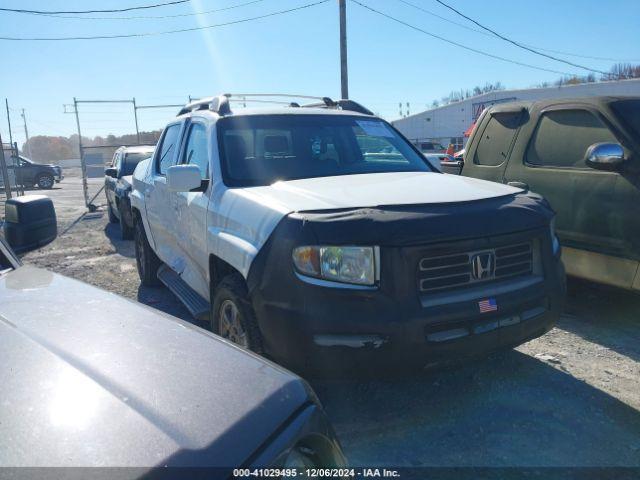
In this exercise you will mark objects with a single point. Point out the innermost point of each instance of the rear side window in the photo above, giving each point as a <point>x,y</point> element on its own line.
<point>629,111</point>
<point>562,137</point>
<point>166,154</point>
<point>196,150</point>
<point>496,139</point>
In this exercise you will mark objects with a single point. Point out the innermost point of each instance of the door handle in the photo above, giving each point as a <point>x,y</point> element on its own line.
<point>521,185</point>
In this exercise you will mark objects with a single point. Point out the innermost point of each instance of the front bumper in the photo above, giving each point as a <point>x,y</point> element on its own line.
<point>319,329</point>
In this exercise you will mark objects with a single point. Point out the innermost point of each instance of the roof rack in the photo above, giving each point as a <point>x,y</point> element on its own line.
<point>220,104</point>
<point>348,105</point>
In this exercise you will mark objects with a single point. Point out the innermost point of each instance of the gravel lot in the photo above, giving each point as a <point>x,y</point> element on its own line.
<point>569,398</point>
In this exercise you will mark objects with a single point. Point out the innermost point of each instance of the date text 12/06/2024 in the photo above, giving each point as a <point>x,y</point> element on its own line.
<point>316,473</point>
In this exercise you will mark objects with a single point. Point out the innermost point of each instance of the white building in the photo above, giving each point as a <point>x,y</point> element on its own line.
<point>448,124</point>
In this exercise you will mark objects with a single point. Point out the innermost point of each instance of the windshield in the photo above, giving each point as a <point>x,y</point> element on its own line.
<point>131,160</point>
<point>629,110</point>
<point>262,149</point>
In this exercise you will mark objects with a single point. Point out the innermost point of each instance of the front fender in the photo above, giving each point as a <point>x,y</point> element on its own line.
<point>238,226</point>
<point>136,200</point>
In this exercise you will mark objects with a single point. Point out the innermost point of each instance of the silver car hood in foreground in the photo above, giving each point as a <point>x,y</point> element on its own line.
<point>92,379</point>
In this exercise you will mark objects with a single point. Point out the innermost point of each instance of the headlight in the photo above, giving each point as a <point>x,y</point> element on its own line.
<point>356,265</point>
<point>555,243</point>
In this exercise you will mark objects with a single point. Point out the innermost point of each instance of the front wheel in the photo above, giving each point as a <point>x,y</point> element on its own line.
<point>147,261</point>
<point>232,316</point>
<point>126,232</point>
<point>112,215</point>
<point>45,181</point>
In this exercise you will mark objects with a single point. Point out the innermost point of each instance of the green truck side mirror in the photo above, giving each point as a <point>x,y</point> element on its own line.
<point>605,156</point>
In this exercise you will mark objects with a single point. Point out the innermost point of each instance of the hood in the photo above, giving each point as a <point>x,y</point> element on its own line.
<point>92,379</point>
<point>378,189</point>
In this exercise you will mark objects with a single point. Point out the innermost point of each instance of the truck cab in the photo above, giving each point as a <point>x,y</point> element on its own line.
<point>583,156</point>
<point>319,236</point>
<point>117,185</point>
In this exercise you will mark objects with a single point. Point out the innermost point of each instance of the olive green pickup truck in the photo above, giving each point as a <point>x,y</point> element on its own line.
<point>583,155</point>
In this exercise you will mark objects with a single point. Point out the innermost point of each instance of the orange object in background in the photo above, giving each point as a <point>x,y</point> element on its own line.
<point>469,130</point>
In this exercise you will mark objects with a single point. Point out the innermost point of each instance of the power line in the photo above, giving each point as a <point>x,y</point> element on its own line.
<point>471,49</point>
<point>148,34</point>
<point>116,10</point>
<point>467,27</point>
<point>520,45</point>
<point>155,17</point>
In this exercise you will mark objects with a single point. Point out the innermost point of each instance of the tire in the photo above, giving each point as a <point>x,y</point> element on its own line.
<point>230,294</point>
<point>112,215</point>
<point>147,261</point>
<point>126,232</point>
<point>45,181</point>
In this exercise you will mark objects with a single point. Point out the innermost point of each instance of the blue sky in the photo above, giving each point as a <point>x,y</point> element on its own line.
<point>295,52</point>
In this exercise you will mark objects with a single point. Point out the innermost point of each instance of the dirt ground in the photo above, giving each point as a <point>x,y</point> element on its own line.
<point>569,398</point>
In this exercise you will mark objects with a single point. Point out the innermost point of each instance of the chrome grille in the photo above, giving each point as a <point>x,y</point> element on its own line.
<point>455,270</point>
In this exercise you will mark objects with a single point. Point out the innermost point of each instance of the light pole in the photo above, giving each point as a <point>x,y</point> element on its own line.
<point>344,75</point>
<point>6,103</point>
<point>26,134</point>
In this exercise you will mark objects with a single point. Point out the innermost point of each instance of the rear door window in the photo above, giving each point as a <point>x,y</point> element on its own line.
<point>196,149</point>
<point>629,111</point>
<point>166,153</point>
<point>497,138</point>
<point>562,138</point>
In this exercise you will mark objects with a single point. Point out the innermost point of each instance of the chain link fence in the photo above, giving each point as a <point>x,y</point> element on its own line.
<point>95,158</point>
<point>10,185</point>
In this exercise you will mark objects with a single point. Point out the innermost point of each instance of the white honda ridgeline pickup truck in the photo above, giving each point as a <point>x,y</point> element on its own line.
<point>320,237</point>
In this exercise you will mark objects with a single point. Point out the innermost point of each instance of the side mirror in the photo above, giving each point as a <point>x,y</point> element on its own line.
<point>605,156</point>
<point>111,172</point>
<point>30,222</point>
<point>183,178</point>
<point>435,162</point>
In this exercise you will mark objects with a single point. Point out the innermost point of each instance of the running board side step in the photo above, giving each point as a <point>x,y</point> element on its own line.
<point>197,306</point>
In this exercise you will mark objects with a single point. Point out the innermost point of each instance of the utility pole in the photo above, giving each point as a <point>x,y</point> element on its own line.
<point>6,103</point>
<point>83,164</point>
<point>135,116</point>
<point>26,133</point>
<point>344,75</point>
<point>4,172</point>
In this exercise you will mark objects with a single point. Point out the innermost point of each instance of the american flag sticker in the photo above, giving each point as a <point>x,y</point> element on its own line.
<point>488,305</point>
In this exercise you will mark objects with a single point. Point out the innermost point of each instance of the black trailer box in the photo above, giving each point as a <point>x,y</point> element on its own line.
<point>30,222</point>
